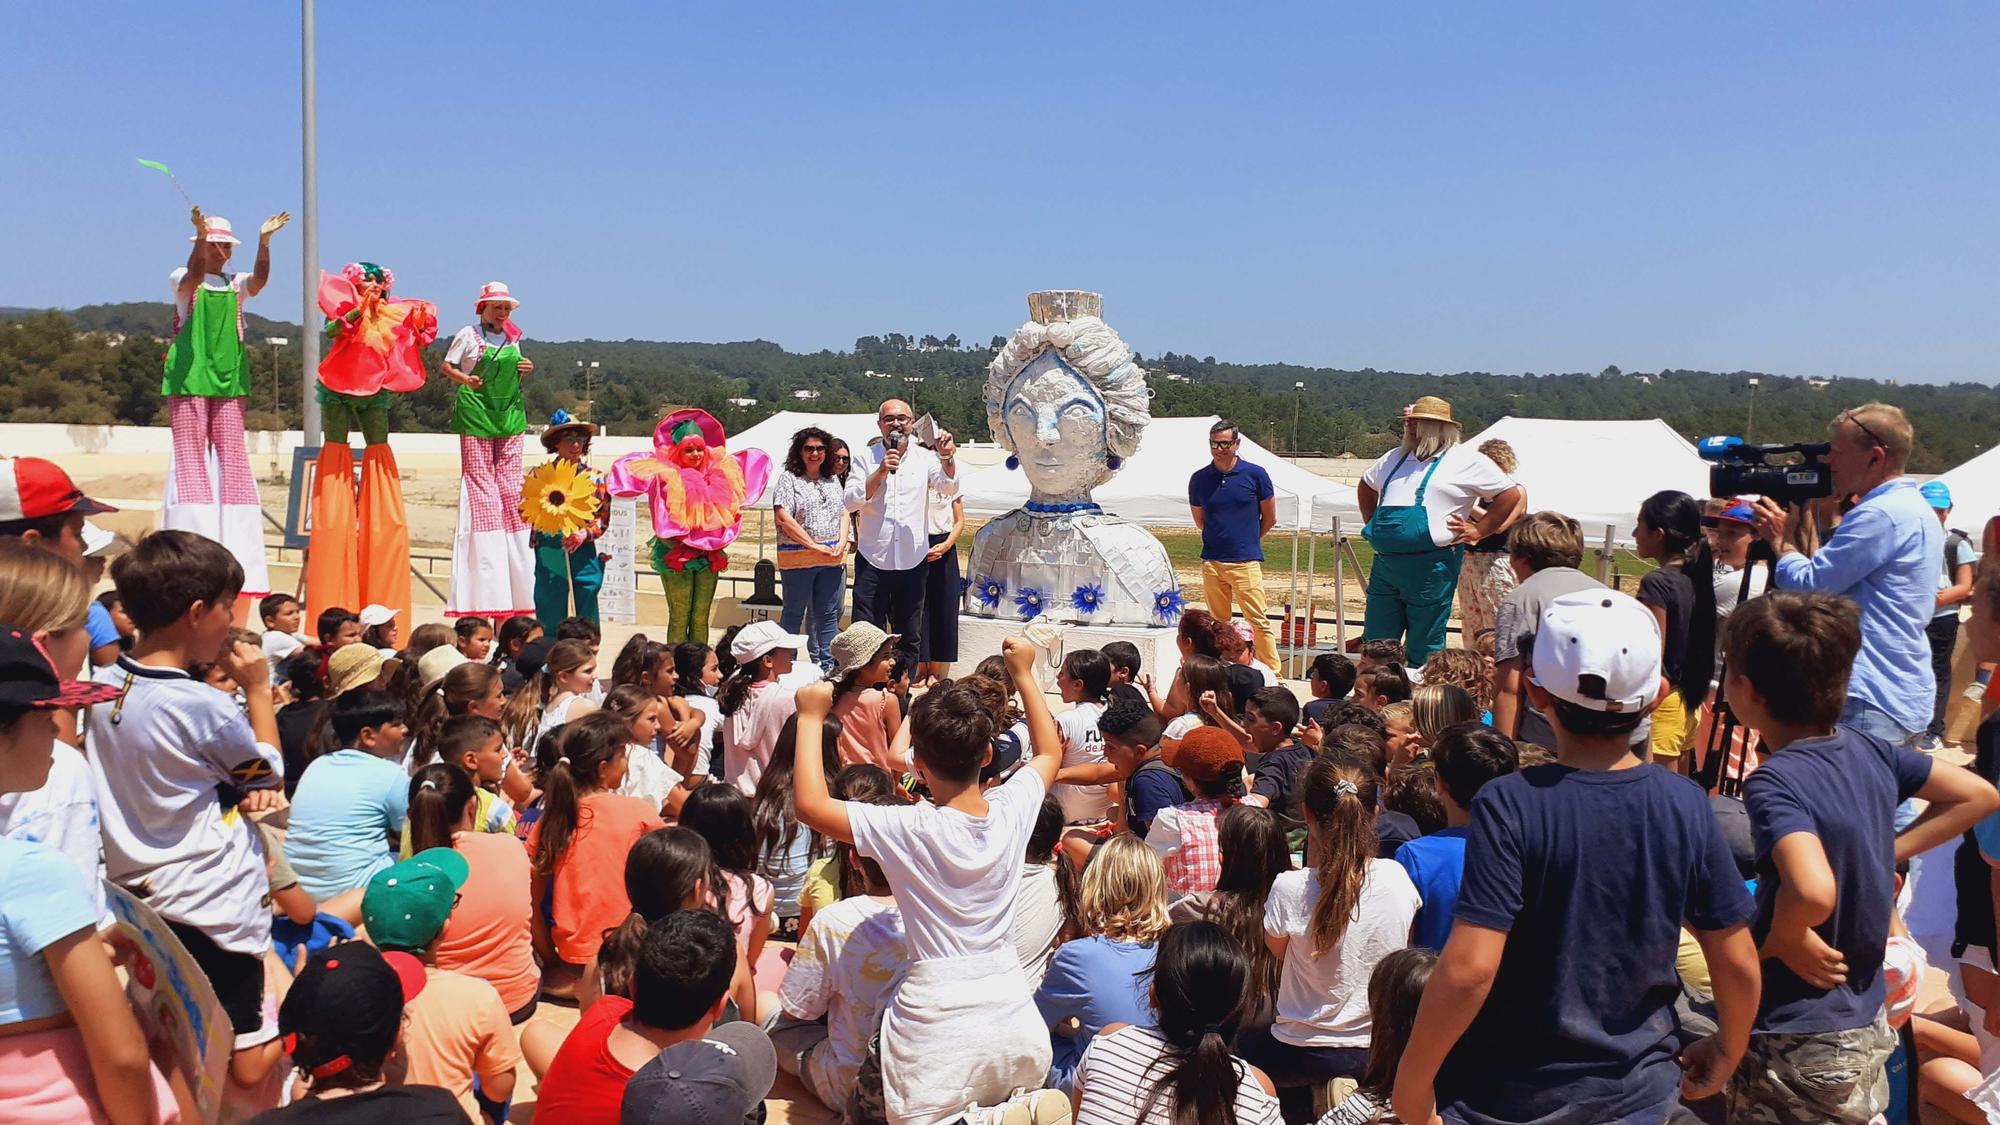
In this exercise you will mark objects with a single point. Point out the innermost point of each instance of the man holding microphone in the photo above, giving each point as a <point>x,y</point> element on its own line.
<point>891,489</point>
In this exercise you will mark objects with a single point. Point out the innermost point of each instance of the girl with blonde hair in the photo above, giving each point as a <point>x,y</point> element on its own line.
<point>1100,978</point>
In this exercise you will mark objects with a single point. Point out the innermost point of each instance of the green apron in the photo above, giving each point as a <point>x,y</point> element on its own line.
<point>1402,529</point>
<point>207,357</point>
<point>493,409</point>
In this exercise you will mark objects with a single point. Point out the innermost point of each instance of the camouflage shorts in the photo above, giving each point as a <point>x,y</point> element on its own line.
<point>1827,1076</point>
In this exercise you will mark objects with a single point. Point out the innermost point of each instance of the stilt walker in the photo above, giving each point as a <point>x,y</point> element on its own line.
<point>492,563</point>
<point>359,553</point>
<point>697,491</point>
<point>211,489</point>
<point>568,504</point>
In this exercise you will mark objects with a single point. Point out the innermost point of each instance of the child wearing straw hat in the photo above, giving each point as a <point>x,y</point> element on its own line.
<point>211,490</point>
<point>570,566</point>
<point>492,566</point>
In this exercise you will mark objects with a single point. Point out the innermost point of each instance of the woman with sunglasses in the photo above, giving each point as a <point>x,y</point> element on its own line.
<point>808,502</point>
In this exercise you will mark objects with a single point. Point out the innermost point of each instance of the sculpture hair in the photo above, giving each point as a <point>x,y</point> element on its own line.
<point>1092,349</point>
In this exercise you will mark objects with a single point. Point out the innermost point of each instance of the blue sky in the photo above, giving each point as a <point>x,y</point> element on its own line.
<point>1803,188</point>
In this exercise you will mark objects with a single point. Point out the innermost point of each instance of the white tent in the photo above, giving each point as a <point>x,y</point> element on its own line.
<point>774,434</point>
<point>1975,493</point>
<point>1598,473</point>
<point>1151,487</point>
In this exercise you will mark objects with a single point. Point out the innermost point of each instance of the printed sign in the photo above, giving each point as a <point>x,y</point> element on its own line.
<point>618,600</point>
<point>186,1029</point>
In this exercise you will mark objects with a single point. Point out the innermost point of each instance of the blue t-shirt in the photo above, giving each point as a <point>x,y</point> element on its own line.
<point>346,813</point>
<point>1152,790</point>
<point>1100,982</point>
<point>1590,873</point>
<point>1232,511</point>
<point>97,623</point>
<point>1843,789</point>
<point>1436,863</point>
<point>41,903</point>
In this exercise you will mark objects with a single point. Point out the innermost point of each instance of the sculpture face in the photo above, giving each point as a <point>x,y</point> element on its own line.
<point>1056,423</point>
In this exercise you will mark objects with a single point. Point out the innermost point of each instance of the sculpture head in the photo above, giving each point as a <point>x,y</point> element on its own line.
<point>1065,397</point>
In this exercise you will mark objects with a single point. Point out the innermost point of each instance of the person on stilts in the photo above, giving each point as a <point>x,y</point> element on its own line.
<point>492,562</point>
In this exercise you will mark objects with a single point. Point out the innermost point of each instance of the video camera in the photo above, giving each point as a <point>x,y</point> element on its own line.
<point>1738,468</point>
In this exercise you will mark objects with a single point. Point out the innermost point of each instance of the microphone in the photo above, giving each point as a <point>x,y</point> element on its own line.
<point>896,440</point>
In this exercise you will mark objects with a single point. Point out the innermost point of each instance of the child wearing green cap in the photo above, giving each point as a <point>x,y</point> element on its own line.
<point>458,1036</point>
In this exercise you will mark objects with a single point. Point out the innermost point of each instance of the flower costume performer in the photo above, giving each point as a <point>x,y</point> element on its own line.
<point>360,548</point>
<point>210,488</point>
<point>492,563</point>
<point>697,490</point>
<point>569,504</point>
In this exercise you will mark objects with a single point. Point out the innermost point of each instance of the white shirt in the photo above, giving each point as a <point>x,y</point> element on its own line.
<point>956,876</point>
<point>279,645</point>
<point>647,776</point>
<point>1118,1072</point>
<point>1464,476</point>
<point>894,531</point>
<point>1082,745</point>
<point>62,814</point>
<point>1180,726</point>
<point>466,346</point>
<point>1323,1001</point>
<point>215,281</point>
<point>711,725</point>
<point>847,967</point>
<point>1038,920</point>
<point>751,732</point>
<point>942,520</point>
<point>155,771</point>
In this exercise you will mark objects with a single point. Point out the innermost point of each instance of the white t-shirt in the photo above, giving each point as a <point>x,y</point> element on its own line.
<point>711,725</point>
<point>62,814</point>
<point>1464,477</point>
<point>216,281</point>
<point>1118,1072</point>
<point>1038,920</point>
<point>155,770</point>
<point>1082,745</point>
<point>1181,725</point>
<point>279,645</point>
<point>956,876</point>
<point>1323,1001</point>
<point>647,776</point>
<point>847,969</point>
<point>465,347</point>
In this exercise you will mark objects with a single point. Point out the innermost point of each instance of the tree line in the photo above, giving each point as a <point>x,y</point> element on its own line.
<point>101,364</point>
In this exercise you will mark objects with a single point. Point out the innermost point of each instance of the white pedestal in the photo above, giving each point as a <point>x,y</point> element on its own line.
<point>980,637</point>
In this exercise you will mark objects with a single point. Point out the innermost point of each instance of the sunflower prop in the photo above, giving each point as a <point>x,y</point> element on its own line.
<point>556,499</point>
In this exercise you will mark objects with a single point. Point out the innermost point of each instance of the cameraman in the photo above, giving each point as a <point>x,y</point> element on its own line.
<point>1884,556</point>
<point>891,487</point>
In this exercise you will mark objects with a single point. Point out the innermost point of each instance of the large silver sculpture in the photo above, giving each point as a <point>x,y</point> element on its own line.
<point>1066,400</point>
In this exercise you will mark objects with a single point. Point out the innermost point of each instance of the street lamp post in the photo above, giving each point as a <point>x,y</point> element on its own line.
<point>309,221</point>
<point>1750,423</point>
<point>1298,396</point>
<point>589,389</point>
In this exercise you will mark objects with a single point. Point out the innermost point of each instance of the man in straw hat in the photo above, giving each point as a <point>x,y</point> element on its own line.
<point>492,564</point>
<point>1420,503</point>
<point>210,488</point>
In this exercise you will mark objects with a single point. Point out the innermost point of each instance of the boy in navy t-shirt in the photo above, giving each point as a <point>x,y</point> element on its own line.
<point>1822,813</point>
<point>1132,752</point>
<point>1554,997</point>
<point>1466,757</point>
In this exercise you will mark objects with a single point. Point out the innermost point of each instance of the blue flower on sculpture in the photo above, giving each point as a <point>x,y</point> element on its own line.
<point>1088,598</point>
<point>964,584</point>
<point>990,591</point>
<point>1028,601</point>
<point>1167,605</point>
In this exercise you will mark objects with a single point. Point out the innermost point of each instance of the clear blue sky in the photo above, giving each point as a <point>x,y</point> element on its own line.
<point>1802,188</point>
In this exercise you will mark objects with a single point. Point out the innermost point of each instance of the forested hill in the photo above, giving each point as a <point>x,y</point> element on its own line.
<point>101,364</point>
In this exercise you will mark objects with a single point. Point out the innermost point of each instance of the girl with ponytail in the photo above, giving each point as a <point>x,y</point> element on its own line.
<point>554,694</point>
<point>1328,925</point>
<point>579,843</point>
<point>1180,1072</point>
<point>490,933</point>
<point>1681,594</point>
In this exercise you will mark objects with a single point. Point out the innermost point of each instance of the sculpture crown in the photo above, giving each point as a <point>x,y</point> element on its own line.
<point>1052,305</point>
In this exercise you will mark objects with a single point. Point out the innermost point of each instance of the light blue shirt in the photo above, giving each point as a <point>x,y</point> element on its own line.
<point>347,810</point>
<point>41,902</point>
<point>1886,556</point>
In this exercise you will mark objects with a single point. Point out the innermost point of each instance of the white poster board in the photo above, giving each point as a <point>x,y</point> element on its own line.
<point>618,600</point>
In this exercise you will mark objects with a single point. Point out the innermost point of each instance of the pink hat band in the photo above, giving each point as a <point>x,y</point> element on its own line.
<point>495,292</point>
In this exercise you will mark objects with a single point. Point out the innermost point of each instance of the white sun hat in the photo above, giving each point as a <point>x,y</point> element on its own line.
<point>218,231</point>
<point>495,292</point>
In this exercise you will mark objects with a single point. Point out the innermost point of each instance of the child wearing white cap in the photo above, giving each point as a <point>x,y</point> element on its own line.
<point>755,701</point>
<point>492,565</point>
<point>1555,993</point>
<point>210,488</point>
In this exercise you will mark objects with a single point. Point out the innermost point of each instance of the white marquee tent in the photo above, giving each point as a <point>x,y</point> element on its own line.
<point>1151,487</point>
<point>1975,493</point>
<point>774,434</point>
<point>1598,473</point>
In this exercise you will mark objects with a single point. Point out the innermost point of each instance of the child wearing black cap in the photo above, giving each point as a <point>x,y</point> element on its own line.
<point>342,1020</point>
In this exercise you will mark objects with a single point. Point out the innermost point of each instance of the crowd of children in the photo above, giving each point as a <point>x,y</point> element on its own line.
<point>1191,902</point>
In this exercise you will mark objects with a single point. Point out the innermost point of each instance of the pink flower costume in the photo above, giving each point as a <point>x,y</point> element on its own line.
<point>697,491</point>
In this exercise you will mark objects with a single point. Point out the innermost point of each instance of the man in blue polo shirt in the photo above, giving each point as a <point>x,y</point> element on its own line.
<point>1234,505</point>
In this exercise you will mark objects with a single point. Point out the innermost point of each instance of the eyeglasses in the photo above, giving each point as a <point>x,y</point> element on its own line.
<point>895,417</point>
<point>1849,416</point>
<point>1214,444</point>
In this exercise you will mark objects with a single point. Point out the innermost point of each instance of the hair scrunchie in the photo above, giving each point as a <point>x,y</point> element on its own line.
<point>428,784</point>
<point>1346,788</point>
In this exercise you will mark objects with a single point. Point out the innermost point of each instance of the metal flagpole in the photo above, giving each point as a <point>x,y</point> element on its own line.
<point>309,212</point>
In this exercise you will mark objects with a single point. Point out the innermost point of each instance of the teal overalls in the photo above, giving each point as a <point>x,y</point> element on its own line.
<point>1410,587</point>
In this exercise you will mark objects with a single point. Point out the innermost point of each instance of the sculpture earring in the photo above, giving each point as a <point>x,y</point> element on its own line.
<point>1013,462</point>
<point>1113,462</point>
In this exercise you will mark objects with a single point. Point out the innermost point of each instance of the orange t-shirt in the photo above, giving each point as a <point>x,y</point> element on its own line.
<point>863,738</point>
<point>588,897</point>
<point>456,1028</point>
<point>490,934</point>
